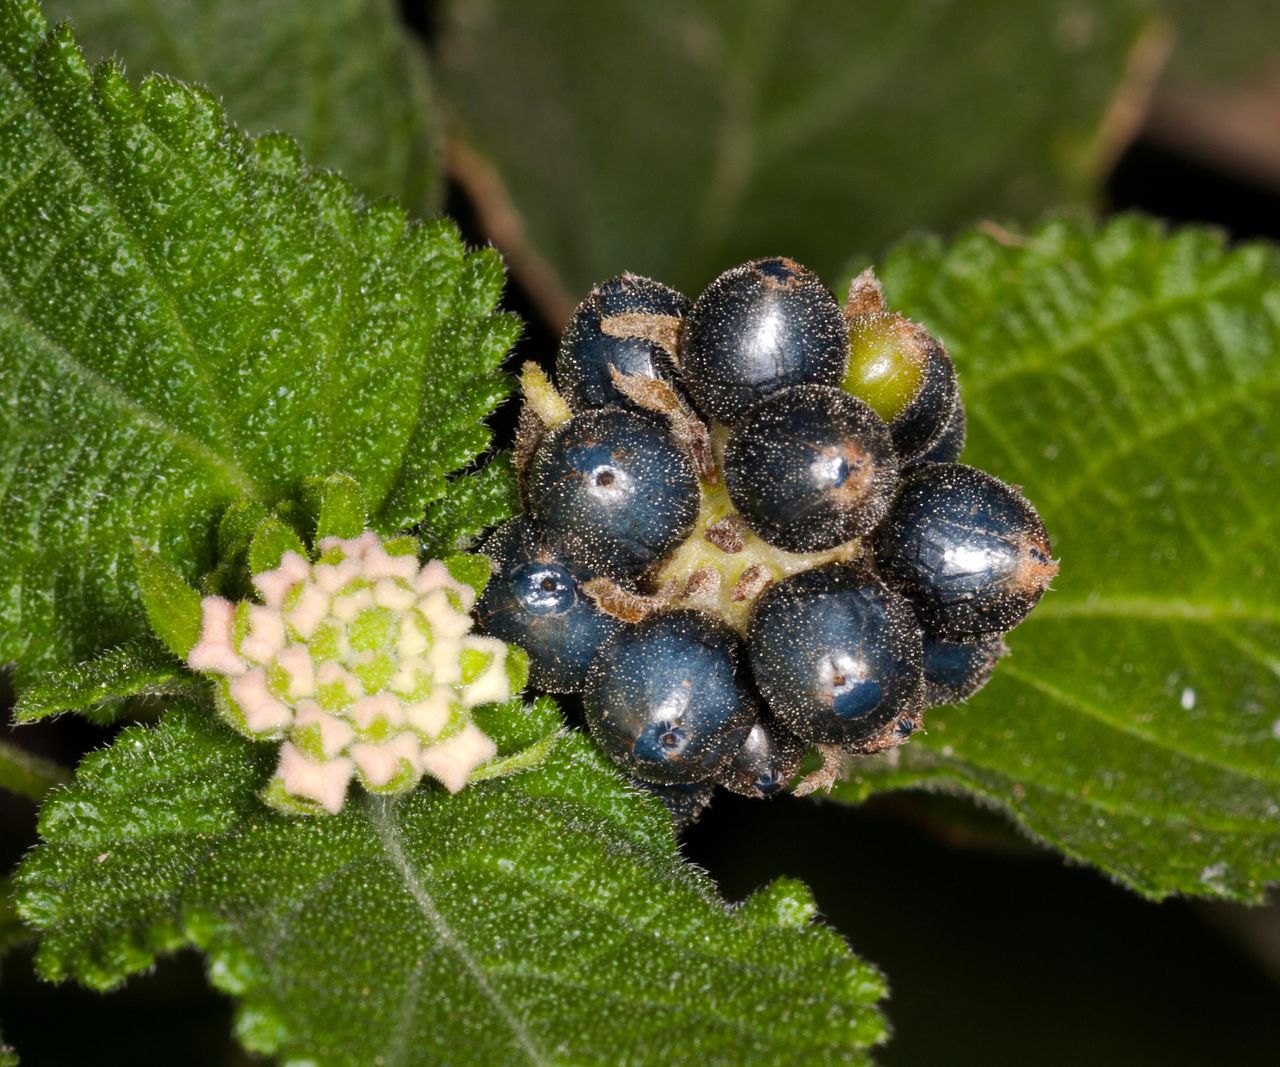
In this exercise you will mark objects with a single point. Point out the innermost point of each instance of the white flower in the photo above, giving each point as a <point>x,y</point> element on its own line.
<point>364,665</point>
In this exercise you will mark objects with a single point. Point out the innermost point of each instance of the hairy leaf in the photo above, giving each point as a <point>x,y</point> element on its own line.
<point>473,503</point>
<point>1128,380</point>
<point>189,318</point>
<point>139,668</point>
<point>543,917</point>
<point>343,77</point>
<point>676,139</point>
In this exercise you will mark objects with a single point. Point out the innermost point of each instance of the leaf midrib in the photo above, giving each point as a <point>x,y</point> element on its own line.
<point>379,811</point>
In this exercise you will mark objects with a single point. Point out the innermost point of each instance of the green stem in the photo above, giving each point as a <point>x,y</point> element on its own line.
<point>28,775</point>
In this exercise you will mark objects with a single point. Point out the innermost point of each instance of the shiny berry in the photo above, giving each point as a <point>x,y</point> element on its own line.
<point>810,467</point>
<point>906,376</point>
<point>836,654</point>
<point>756,329</point>
<point>684,801</point>
<point>948,446</point>
<point>639,309</point>
<point>968,550</point>
<point>767,761</point>
<point>614,490</point>
<point>535,600</point>
<point>665,700</point>
<point>955,670</point>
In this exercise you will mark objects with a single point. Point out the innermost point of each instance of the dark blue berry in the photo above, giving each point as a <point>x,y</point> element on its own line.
<point>836,654</point>
<point>811,467</point>
<point>535,600</point>
<point>767,761</point>
<point>955,670</point>
<point>947,448</point>
<point>587,349</point>
<point>685,801</point>
<point>614,490</point>
<point>968,550</point>
<point>665,700</point>
<point>756,329</point>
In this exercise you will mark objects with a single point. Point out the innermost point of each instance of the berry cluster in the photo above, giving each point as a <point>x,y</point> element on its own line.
<point>746,533</point>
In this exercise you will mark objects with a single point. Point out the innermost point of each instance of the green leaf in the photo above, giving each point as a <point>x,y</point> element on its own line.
<point>340,510</point>
<point>271,540</point>
<point>13,931</point>
<point>1223,43</point>
<point>343,76</point>
<point>676,139</point>
<point>473,503</point>
<point>172,606</point>
<point>190,318</point>
<point>1128,381</point>
<point>27,774</point>
<point>469,570</point>
<point>545,916</point>
<point>140,668</point>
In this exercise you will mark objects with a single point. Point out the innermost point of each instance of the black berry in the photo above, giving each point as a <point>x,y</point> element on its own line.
<point>665,698</point>
<point>968,550</point>
<point>955,670</point>
<point>684,801</point>
<point>810,467</point>
<point>756,329</point>
<point>623,322</point>
<point>614,489</point>
<point>768,759</point>
<point>836,654</point>
<point>535,600</point>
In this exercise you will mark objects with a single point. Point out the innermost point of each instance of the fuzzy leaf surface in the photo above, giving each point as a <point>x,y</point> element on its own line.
<point>343,77</point>
<point>543,917</point>
<point>191,318</point>
<point>677,139</point>
<point>138,669</point>
<point>1128,381</point>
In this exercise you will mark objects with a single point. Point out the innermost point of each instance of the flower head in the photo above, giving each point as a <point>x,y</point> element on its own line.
<point>363,663</point>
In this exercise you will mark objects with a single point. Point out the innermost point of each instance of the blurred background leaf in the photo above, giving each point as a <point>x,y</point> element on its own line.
<point>1222,41</point>
<point>675,139</point>
<point>341,76</point>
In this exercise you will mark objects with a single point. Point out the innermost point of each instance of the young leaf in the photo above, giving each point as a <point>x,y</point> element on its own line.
<point>140,668</point>
<point>271,540</point>
<point>544,917</point>
<point>172,606</point>
<point>191,318</point>
<point>343,76</point>
<point>676,139</point>
<point>473,503</point>
<point>340,510</point>
<point>1128,380</point>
